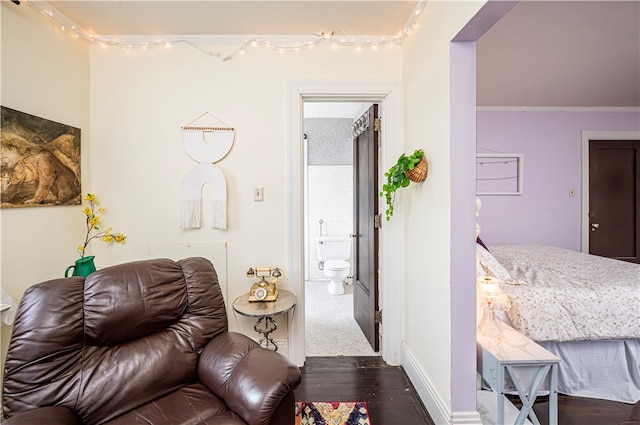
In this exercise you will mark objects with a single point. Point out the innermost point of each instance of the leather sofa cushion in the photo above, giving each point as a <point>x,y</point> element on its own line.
<point>126,302</point>
<point>193,404</point>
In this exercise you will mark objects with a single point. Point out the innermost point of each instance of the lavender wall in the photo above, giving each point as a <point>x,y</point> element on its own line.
<point>551,144</point>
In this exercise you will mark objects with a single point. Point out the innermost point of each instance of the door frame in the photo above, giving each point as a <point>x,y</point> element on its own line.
<point>388,94</point>
<point>587,136</point>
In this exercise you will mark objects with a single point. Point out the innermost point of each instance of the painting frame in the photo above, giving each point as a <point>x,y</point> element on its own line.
<point>40,161</point>
<point>493,184</point>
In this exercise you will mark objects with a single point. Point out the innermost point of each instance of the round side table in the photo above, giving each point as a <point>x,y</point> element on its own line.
<point>264,311</point>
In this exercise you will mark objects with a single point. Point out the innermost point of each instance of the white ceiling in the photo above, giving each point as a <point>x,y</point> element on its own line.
<point>542,53</point>
<point>239,17</point>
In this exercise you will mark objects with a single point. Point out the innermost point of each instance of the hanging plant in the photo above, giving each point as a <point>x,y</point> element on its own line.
<point>408,168</point>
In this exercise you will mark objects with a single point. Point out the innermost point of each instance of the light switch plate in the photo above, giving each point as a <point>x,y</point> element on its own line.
<point>258,194</point>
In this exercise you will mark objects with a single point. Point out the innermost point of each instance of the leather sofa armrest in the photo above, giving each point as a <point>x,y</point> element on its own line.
<point>51,415</point>
<point>250,379</point>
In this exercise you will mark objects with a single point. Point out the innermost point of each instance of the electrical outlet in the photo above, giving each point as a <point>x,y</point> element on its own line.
<point>258,194</point>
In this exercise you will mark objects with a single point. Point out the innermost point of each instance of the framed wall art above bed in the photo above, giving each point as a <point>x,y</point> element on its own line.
<point>499,173</point>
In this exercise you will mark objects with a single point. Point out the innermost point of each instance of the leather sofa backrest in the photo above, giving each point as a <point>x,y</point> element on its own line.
<point>114,341</point>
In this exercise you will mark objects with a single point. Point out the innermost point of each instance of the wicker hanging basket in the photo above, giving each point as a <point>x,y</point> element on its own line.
<point>419,172</point>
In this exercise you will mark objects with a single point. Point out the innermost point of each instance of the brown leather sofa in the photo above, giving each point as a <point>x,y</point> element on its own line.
<point>145,342</point>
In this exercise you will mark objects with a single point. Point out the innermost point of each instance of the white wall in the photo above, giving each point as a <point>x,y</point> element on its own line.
<point>45,73</point>
<point>429,324</point>
<point>330,199</point>
<point>139,100</point>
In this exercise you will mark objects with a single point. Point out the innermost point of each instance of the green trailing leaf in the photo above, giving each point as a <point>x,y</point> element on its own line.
<point>397,178</point>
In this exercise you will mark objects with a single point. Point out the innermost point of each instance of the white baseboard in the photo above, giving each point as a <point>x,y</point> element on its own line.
<point>436,406</point>
<point>466,418</point>
<point>283,346</point>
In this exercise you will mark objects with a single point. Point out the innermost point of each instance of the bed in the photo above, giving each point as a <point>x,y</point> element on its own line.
<point>583,308</point>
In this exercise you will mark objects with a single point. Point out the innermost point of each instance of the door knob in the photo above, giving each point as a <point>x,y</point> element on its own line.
<point>594,226</point>
<point>351,235</point>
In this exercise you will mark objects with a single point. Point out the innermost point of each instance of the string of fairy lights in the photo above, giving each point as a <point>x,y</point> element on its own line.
<point>131,42</point>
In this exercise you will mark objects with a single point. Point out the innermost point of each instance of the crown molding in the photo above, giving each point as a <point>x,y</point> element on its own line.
<point>213,39</point>
<point>558,108</point>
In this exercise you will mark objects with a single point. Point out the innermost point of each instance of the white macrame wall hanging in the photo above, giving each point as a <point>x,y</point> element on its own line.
<point>205,145</point>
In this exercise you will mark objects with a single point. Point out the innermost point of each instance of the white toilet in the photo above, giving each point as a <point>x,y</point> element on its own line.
<point>334,253</point>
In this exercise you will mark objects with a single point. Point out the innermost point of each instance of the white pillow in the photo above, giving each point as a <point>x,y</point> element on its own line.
<point>488,264</point>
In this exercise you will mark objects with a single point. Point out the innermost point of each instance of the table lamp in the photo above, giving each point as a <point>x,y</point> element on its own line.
<point>493,299</point>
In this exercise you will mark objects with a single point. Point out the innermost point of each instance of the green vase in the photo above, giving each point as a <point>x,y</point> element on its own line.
<point>83,267</point>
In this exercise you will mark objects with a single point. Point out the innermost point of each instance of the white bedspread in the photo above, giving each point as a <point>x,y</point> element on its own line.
<point>570,296</point>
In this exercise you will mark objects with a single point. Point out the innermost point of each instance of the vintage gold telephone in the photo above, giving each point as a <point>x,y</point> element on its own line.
<point>263,290</point>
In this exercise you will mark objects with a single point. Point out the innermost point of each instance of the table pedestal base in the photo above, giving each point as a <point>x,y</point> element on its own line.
<point>265,326</point>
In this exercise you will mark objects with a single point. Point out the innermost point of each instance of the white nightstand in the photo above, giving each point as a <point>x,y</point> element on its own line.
<point>528,365</point>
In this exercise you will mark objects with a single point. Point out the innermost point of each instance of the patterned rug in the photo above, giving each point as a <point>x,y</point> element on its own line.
<point>335,413</point>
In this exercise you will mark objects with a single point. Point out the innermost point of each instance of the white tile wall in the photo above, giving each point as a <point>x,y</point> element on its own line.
<point>330,198</point>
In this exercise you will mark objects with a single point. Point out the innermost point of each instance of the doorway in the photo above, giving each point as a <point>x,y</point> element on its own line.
<point>614,198</point>
<point>600,222</point>
<point>330,326</point>
<point>388,95</point>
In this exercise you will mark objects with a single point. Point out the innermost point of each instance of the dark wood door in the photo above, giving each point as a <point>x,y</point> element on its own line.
<point>614,199</point>
<point>365,242</point>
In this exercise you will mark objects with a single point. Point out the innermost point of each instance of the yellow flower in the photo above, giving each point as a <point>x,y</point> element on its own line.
<point>92,213</point>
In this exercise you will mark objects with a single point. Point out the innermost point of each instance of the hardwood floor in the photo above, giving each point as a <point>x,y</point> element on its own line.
<point>392,400</point>
<point>585,411</point>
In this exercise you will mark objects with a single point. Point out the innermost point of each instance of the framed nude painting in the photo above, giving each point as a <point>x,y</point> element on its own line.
<point>40,161</point>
